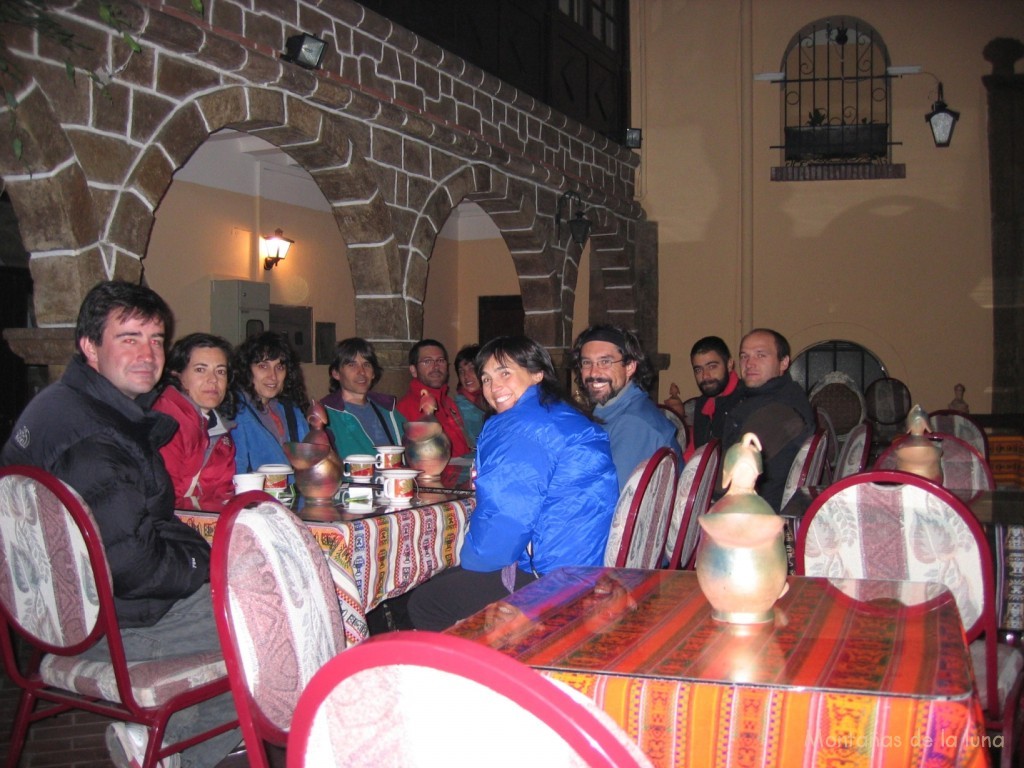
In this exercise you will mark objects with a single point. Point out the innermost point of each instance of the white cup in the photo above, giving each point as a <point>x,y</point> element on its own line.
<point>389,456</point>
<point>399,485</point>
<point>249,481</point>
<point>359,467</point>
<point>277,478</point>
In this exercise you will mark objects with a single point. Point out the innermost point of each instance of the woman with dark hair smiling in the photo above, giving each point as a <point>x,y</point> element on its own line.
<point>545,486</point>
<point>200,458</point>
<point>271,393</point>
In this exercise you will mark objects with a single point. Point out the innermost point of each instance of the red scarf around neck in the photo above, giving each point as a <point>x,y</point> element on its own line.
<point>708,408</point>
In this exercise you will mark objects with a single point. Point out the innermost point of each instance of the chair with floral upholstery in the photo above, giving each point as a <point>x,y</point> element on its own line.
<point>896,525</point>
<point>960,425</point>
<point>390,701</point>
<point>56,596</point>
<point>808,467</point>
<point>677,422</point>
<point>277,615</point>
<point>853,458</point>
<point>838,395</point>
<point>693,497</point>
<point>640,523</point>
<point>963,468</point>
<point>887,403</point>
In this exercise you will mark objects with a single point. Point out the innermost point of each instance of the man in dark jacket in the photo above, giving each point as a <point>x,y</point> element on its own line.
<point>719,390</point>
<point>94,430</point>
<point>772,406</point>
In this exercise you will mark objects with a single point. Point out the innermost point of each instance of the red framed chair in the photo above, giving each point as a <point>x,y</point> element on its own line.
<point>672,416</point>
<point>808,467</point>
<point>390,701</point>
<point>896,525</point>
<point>641,519</point>
<point>693,498</point>
<point>962,466</point>
<point>277,614</point>
<point>56,596</point>
<point>853,457</point>
<point>960,425</point>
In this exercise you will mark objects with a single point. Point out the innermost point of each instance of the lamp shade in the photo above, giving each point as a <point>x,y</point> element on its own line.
<point>942,121</point>
<point>305,50</point>
<point>274,248</point>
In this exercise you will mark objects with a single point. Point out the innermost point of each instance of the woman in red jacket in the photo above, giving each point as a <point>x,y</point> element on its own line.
<point>200,458</point>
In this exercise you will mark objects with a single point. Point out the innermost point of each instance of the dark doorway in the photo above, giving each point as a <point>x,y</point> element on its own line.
<point>15,300</point>
<point>500,316</point>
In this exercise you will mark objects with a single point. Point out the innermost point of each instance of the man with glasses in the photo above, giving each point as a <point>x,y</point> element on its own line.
<point>612,374</point>
<point>428,393</point>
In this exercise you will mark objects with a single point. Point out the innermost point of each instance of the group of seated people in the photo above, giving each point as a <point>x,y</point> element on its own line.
<point>137,441</point>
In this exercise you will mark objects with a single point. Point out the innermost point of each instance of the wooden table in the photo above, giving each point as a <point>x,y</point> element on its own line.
<point>851,673</point>
<point>379,554</point>
<point>1001,513</point>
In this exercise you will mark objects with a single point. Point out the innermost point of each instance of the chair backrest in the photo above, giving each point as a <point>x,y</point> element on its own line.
<point>56,591</point>
<point>896,525</point>
<point>853,458</point>
<point>389,701</point>
<point>277,614</point>
<point>672,416</point>
<point>824,421</point>
<point>963,467</point>
<point>839,396</point>
<point>693,498</point>
<point>808,465</point>
<point>641,519</point>
<point>689,407</point>
<point>960,425</point>
<point>887,402</point>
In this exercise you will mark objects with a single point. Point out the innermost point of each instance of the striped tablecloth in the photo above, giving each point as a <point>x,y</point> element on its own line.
<point>376,558</point>
<point>849,674</point>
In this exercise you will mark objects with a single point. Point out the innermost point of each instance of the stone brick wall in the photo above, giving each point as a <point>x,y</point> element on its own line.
<point>395,131</point>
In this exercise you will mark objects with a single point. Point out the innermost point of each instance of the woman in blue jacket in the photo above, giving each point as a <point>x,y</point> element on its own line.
<point>271,391</point>
<point>545,487</point>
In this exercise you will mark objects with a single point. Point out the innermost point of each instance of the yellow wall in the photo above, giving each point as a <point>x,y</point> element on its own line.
<point>203,234</point>
<point>902,267</point>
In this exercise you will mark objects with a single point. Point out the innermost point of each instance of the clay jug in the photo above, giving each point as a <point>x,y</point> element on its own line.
<point>427,447</point>
<point>318,470</point>
<point>741,561</point>
<point>917,453</point>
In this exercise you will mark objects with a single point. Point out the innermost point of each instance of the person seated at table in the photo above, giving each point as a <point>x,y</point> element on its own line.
<point>546,488</point>
<point>427,396</point>
<point>200,458</point>
<point>270,390</point>
<point>358,419</point>
<point>719,390</point>
<point>469,397</point>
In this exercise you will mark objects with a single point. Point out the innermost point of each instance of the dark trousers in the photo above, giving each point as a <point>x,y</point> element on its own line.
<point>454,594</point>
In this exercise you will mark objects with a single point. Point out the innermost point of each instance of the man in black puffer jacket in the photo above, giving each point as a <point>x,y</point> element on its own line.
<point>772,406</point>
<point>94,430</point>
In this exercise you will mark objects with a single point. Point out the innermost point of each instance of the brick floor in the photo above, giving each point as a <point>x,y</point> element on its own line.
<point>69,740</point>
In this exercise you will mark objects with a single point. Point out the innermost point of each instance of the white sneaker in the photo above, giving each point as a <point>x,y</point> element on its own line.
<point>126,743</point>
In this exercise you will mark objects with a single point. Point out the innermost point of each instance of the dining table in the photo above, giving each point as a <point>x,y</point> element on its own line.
<point>1001,514</point>
<point>848,673</point>
<point>379,551</point>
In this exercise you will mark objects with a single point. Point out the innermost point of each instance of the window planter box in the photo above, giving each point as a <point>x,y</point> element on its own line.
<point>809,143</point>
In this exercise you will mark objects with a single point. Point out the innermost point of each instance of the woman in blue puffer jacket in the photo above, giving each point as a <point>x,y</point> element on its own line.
<point>546,488</point>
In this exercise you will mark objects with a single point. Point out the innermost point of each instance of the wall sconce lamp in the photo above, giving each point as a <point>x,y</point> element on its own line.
<point>274,248</point>
<point>305,50</point>
<point>942,121</point>
<point>579,227</point>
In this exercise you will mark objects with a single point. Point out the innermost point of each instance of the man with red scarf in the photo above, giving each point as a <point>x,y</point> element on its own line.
<point>428,393</point>
<point>713,371</point>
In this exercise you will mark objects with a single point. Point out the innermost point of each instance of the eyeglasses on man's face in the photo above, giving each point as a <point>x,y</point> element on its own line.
<point>430,362</point>
<point>601,364</point>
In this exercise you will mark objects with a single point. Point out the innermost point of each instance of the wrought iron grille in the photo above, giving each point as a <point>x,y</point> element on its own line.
<point>836,97</point>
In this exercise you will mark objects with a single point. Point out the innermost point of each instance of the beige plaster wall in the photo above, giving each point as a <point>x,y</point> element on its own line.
<point>902,266</point>
<point>203,234</point>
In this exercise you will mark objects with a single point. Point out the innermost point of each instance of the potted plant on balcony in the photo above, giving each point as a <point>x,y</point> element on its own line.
<point>822,141</point>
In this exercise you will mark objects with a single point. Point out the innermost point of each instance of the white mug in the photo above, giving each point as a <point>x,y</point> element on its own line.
<point>389,456</point>
<point>399,485</point>
<point>357,496</point>
<point>277,478</point>
<point>359,467</point>
<point>248,481</point>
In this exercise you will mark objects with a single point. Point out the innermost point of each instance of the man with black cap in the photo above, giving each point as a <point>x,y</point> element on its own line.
<point>612,374</point>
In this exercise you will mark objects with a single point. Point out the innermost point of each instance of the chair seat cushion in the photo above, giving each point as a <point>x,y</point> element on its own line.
<point>1008,668</point>
<point>153,682</point>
